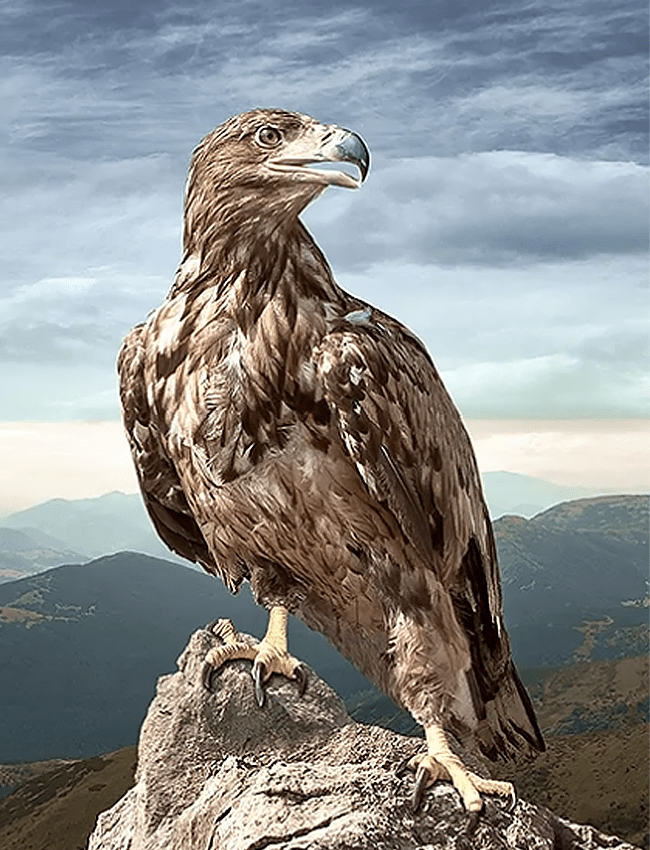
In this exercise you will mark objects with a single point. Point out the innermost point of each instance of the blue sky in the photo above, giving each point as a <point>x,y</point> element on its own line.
<point>504,218</point>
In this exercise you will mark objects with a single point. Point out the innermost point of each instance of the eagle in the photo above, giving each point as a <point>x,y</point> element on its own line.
<point>288,434</point>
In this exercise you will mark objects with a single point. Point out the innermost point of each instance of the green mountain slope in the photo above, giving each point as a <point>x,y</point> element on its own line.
<point>82,646</point>
<point>575,580</point>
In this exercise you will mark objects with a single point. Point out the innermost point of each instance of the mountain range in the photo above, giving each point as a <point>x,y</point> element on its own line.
<point>83,644</point>
<point>27,551</point>
<point>62,531</point>
<point>575,580</point>
<point>114,522</point>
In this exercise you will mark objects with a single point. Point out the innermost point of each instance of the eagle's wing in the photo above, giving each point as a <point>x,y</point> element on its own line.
<point>407,440</point>
<point>161,489</point>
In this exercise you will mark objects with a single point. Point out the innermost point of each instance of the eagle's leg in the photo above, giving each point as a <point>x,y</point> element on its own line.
<point>268,657</point>
<point>273,657</point>
<point>440,762</point>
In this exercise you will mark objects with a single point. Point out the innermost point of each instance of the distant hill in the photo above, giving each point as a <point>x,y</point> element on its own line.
<point>115,522</point>
<point>27,551</point>
<point>575,580</point>
<point>83,645</point>
<point>523,495</point>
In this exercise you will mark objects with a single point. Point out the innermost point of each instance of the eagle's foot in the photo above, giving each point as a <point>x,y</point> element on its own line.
<point>229,650</point>
<point>272,659</point>
<point>440,762</point>
<point>268,657</point>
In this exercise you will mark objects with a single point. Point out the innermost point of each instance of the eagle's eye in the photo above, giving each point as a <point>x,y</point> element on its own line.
<point>268,136</point>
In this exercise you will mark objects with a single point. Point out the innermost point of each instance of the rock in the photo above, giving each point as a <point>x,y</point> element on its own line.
<point>216,772</point>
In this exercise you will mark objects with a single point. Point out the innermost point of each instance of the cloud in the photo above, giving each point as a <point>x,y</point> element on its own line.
<point>535,76</point>
<point>562,385</point>
<point>496,207</point>
<point>523,341</point>
<point>55,392</point>
<point>504,216</point>
<point>59,321</point>
<point>60,217</point>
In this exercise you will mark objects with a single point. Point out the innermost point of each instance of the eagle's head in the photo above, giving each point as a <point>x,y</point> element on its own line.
<point>262,166</point>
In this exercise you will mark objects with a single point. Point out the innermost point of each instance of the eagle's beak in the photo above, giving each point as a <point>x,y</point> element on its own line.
<point>346,146</point>
<point>332,144</point>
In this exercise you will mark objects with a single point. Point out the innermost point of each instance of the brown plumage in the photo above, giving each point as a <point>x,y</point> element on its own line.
<point>288,434</point>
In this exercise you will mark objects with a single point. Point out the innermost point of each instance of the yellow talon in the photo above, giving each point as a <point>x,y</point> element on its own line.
<point>268,657</point>
<point>440,762</point>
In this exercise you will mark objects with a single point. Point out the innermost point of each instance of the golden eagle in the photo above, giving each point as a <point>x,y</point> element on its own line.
<point>288,434</point>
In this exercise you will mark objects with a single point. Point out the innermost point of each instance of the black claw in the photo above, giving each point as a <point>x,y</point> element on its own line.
<point>258,678</point>
<point>420,784</point>
<point>206,675</point>
<point>512,805</point>
<point>300,675</point>
<point>472,822</point>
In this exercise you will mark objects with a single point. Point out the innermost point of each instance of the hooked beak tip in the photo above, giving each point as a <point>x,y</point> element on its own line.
<point>352,148</point>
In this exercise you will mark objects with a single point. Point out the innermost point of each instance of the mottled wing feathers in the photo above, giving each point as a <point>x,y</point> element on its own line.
<point>408,443</point>
<point>360,388</point>
<point>405,436</point>
<point>161,489</point>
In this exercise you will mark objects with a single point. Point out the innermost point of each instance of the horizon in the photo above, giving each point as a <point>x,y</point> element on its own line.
<point>89,460</point>
<point>591,495</point>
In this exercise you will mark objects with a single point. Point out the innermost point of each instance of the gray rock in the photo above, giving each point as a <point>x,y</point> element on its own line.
<point>216,772</point>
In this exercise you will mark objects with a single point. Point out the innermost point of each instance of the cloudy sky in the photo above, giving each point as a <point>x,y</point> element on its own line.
<point>504,219</point>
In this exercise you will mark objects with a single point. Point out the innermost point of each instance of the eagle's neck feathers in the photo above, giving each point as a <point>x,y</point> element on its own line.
<point>270,258</point>
<point>243,226</point>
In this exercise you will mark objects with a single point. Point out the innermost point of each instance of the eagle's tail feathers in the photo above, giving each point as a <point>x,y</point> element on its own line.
<point>510,727</point>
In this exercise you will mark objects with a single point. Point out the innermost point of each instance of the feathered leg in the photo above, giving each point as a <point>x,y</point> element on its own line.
<point>268,657</point>
<point>440,762</point>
